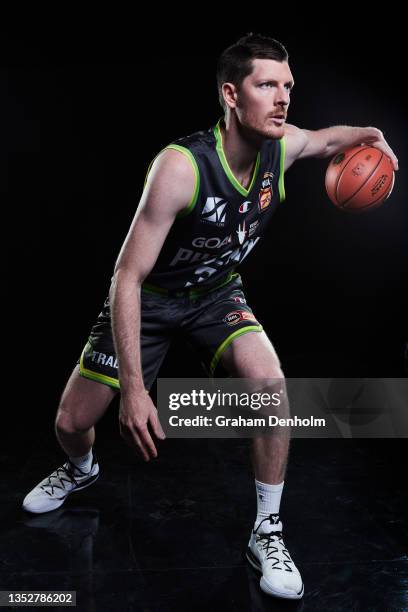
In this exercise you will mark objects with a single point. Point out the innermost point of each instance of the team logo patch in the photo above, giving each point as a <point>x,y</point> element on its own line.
<point>215,211</point>
<point>266,193</point>
<point>236,316</point>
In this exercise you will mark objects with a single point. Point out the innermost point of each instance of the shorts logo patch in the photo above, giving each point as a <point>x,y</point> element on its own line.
<point>236,316</point>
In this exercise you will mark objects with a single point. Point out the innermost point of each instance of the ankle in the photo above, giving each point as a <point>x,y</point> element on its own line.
<point>83,462</point>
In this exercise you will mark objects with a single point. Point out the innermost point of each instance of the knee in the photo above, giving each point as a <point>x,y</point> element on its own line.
<point>67,422</point>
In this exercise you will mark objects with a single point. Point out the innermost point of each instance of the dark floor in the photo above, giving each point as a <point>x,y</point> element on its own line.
<point>170,535</point>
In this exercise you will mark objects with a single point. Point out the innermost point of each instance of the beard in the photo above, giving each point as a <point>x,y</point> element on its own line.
<point>262,129</point>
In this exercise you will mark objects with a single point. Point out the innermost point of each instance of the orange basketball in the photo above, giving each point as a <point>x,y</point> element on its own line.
<point>359,179</point>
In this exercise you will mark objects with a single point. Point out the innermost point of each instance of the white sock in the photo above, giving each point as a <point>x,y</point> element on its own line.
<point>268,499</point>
<point>83,463</point>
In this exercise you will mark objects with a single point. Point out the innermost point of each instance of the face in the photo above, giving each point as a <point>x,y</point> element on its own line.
<point>263,95</point>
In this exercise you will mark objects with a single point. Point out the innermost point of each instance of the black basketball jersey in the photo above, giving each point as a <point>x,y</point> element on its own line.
<point>224,221</point>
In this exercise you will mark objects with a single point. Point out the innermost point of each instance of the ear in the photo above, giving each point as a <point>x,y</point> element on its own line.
<point>229,92</point>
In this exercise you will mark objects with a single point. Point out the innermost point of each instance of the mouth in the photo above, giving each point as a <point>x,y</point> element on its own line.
<point>278,119</point>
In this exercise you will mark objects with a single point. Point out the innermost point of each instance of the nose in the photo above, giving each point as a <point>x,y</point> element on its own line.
<point>283,97</point>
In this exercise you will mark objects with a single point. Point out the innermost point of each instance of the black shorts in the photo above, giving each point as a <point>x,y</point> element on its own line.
<point>209,323</point>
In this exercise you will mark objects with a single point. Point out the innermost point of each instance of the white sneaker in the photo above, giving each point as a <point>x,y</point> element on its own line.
<point>51,492</point>
<point>267,553</point>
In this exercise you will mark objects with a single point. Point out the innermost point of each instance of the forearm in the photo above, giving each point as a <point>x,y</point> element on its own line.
<point>341,137</point>
<point>125,317</point>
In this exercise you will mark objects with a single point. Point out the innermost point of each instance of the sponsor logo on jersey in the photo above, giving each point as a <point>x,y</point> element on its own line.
<point>214,211</point>
<point>239,299</point>
<point>236,316</point>
<point>241,233</point>
<point>245,206</point>
<point>215,264</point>
<point>265,194</point>
<point>211,243</point>
<point>188,255</point>
<point>252,228</point>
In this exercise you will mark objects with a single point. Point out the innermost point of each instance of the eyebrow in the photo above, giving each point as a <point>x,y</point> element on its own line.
<point>291,83</point>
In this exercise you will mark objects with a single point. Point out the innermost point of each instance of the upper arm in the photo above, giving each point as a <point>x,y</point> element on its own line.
<point>169,188</point>
<point>303,143</point>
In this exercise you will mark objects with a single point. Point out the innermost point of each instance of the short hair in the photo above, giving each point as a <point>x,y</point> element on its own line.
<point>235,62</point>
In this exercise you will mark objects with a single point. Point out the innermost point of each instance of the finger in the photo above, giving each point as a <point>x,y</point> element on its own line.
<point>132,439</point>
<point>147,442</point>
<point>140,446</point>
<point>156,426</point>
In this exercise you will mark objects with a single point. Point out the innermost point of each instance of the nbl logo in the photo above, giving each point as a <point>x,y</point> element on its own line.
<point>214,211</point>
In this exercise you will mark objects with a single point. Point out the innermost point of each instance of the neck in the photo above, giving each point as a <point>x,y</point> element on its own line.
<point>240,148</point>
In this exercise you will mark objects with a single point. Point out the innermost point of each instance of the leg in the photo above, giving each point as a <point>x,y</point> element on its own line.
<point>269,453</point>
<point>252,356</point>
<point>82,404</point>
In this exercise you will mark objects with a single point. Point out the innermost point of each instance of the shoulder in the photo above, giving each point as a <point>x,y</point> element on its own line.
<point>171,178</point>
<point>170,164</point>
<point>295,142</point>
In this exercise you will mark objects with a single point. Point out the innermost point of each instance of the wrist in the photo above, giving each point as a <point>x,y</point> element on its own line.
<point>134,387</point>
<point>370,134</point>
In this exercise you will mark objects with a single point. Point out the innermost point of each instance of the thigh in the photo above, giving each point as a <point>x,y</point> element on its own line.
<point>98,361</point>
<point>222,318</point>
<point>252,356</point>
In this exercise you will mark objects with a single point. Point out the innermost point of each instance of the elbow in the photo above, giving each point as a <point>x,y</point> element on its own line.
<point>327,150</point>
<point>123,277</point>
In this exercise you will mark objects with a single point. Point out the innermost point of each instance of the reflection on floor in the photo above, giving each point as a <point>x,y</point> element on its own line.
<point>170,535</point>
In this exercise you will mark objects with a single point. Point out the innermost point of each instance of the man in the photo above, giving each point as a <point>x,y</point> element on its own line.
<point>206,202</point>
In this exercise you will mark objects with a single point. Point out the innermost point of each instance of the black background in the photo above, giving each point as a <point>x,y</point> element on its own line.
<point>91,102</point>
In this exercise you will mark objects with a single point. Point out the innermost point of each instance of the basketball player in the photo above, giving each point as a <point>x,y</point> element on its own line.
<point>207,200</point>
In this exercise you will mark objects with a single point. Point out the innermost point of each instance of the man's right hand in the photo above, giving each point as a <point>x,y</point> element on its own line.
<point>136,412</point>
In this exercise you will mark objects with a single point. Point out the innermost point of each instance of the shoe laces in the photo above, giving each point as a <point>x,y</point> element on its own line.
<point>272,542</point>
<point>62,476</point>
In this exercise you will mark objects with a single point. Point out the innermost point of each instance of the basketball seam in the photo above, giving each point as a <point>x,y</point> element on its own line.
<point>365,182</point>
<point>341,173</point>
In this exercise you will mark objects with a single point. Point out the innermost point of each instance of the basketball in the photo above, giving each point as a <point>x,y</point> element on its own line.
<point>359,179</point>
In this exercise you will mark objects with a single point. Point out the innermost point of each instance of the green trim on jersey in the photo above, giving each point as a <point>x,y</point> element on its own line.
<point>190,156</point>
<point>194,198</point>
<point>281,183</point>
<point>106,380</point>
<point>227,342</point>
<point>227,169</point>
<point>192,292</point>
